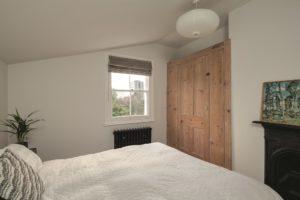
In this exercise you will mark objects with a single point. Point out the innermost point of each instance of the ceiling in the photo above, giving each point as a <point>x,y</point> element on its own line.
<point>35,29</point>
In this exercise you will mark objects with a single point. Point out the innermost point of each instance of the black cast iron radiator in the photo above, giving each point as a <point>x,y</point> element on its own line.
<point>133,136</point>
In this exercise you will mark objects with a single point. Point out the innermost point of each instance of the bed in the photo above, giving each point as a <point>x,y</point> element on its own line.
<point>149,172</point>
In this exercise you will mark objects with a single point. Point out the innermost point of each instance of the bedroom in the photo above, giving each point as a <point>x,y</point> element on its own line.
<point>54,60</point>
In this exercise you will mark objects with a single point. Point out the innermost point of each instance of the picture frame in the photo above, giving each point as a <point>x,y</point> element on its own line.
<point>281,102</point>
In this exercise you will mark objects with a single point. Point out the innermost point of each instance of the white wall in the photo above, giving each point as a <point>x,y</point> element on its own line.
<point>3,100</point>
<point>265,47</point>
<point>203,43</point>
<point>69,93</point>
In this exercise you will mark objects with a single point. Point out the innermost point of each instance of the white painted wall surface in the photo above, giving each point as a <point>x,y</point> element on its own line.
<point>69,93</point>
<point>3,101</point>
<point>265,47</point>
<point>203,43</point>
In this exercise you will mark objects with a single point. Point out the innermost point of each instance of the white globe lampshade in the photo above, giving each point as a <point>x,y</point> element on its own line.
<point>197,23</point>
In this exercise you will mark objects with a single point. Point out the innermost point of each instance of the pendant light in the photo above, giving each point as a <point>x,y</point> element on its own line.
<point>197,22</point>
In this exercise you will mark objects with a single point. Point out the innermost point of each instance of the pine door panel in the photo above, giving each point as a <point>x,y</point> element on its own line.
<point>217,133</point>
<point>201,108</point>
<point>200,143</point>
<point>185,99</point>
<point>186,89</point>
<point>199,104</point>
<point>172,106</point>
<point>194,90</point>
<point>186,138</point>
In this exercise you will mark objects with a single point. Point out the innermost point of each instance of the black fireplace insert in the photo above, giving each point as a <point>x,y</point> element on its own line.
<point>282,159</point>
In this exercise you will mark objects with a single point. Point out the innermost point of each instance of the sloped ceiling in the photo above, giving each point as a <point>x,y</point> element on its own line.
<point>35,29</point>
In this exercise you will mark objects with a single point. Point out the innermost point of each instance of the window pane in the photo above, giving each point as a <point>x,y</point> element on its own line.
<point>120,81</point>
<point>139,103</point>
<point>120,104</point>
<point>139,82</point>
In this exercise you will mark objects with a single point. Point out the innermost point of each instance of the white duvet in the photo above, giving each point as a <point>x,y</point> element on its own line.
<point>147,172</point>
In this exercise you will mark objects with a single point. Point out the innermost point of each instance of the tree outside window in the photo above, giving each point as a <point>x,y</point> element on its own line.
<point>130,95</point>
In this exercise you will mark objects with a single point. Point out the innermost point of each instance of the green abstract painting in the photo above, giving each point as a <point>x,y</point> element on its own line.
<point>281,102</point>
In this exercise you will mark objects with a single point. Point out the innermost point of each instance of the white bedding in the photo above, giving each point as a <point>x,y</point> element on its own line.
<point>147,172</point>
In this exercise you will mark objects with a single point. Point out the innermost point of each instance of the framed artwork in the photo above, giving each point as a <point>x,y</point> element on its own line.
<point>281,102</point>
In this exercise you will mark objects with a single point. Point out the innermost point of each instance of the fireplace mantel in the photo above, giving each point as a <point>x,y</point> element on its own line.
<point>275,125</point>
<point>282,159</point>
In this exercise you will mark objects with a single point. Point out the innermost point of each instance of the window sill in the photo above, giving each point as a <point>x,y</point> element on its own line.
<point>114,123</point>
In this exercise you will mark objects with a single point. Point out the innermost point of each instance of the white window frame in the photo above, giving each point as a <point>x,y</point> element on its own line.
<point>109,119</point>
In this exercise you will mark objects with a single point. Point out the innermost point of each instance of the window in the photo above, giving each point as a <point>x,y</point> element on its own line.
<point>129,91</point>
<point>129,95</point>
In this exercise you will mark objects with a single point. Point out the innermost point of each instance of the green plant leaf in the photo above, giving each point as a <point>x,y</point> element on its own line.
<point>10,125</point>
<point>9,132</point>
<point>18,125</point>
<point>30,114</point>
<point>17,112</point>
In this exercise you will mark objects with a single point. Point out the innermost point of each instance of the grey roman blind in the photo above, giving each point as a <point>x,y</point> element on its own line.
<point>129,66</point>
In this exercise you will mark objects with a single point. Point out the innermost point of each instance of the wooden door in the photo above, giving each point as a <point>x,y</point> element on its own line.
<point>172,108</point>
<point>185,101</point>
<point>217,131</point>
<point>201,108</point>
<point>220,105</point>
<point>193,83</point>
<point>199,104</point>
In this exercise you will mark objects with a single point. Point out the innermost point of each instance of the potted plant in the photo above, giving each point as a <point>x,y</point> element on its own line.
<point>19,126</point>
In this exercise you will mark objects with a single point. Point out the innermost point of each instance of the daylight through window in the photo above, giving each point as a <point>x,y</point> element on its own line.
<point>130,95</point>
<point>129,88</point>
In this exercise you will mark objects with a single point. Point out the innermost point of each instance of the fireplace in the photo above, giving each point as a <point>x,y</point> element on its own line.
<point>282,159</point>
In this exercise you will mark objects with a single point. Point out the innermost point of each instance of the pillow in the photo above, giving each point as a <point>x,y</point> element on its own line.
<point>27,155</point>
<point>18,181</point>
